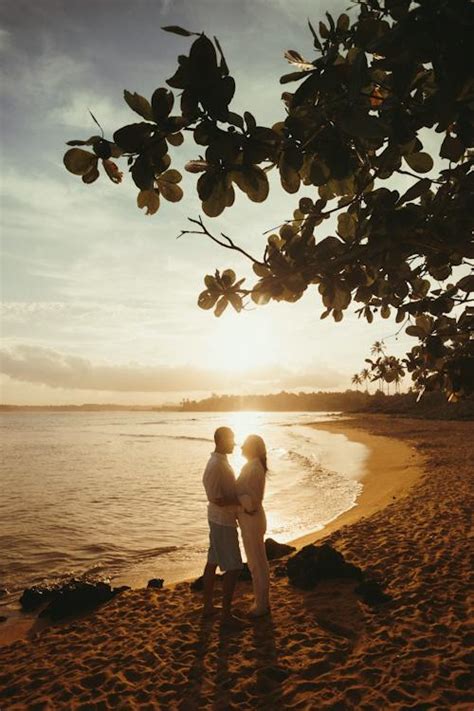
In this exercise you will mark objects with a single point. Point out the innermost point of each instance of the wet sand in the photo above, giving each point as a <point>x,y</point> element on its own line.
<point>322,649</point>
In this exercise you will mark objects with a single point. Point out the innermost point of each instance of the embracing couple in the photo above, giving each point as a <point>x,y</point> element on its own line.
<point>233,501</point>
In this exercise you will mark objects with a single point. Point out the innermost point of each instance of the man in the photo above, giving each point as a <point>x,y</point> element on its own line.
<point>224,550</point>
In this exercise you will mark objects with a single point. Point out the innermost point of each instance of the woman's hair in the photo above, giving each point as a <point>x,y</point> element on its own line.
<point>258,444</point>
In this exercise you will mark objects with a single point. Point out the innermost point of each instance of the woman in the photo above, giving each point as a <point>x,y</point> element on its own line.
<point>250,486</point>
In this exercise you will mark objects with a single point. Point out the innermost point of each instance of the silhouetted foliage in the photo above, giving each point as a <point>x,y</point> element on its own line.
<point>383,369</point>
<point>433,404</point>
<point>355,121</point>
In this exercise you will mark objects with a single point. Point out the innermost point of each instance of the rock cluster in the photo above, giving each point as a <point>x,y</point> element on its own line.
<point>69,598</point>
<point>276,550</point>
<point>314,563</point>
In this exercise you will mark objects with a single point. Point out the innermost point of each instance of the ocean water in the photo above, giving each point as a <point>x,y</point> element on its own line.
<point>118,495</point>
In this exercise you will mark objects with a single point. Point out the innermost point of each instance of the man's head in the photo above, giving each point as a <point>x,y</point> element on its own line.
<point>224,439</point>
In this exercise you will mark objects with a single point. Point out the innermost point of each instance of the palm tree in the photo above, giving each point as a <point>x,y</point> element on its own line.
<point>382,365</point>
<point>365,377</point>
<point>378,348</point>
<point>356,380</point>
<point>399,372</point>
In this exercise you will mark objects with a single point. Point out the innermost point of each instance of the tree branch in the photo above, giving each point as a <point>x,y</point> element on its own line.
<point>228,244</point>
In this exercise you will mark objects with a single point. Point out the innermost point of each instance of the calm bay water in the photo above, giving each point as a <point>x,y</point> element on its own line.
<point>118,495</point>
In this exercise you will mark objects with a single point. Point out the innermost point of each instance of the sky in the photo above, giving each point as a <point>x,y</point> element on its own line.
<point>98,299</point>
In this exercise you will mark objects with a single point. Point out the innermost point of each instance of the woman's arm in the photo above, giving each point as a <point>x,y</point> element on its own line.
<point>247,503</point>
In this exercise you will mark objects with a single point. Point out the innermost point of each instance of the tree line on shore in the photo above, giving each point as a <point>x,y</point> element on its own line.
<point>432,405</point>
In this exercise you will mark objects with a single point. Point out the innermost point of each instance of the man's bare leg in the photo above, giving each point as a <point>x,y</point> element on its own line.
<point>209,581</point>
<point>229,582</point>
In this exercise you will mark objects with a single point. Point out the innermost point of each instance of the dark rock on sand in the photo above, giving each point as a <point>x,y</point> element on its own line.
<point>67,598</point>
<point>277,550</point>
<point>37,595</point>
<point>120,589</point>
<point>314,563</point>
<point>78,596</point>
<point>3,618</point>
<point>155,583</point>
<point>3,592</point>
<point>372,593</point>
<point>280,571</point>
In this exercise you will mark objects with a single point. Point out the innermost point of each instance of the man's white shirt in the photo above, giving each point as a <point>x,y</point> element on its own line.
<point>219,482</point>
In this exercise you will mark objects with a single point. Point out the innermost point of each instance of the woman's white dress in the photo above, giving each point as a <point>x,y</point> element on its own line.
<point>250,491</point>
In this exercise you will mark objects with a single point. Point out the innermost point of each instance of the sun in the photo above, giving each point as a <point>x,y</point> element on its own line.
<point>243,423</point>
<point>241,342</point>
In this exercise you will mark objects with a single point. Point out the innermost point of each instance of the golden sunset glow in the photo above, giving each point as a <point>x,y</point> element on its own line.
<point>241,342</point>
<point>243,424</point>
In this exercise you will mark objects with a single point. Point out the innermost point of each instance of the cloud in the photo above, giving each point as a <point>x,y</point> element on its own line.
<point>74,112</point>
<point>5,39</point>
<point>39,365</point>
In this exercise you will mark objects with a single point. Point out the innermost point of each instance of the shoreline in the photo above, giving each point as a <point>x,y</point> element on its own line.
<point>390,470</point>
<point>320,648</point>
<point>377,491</point>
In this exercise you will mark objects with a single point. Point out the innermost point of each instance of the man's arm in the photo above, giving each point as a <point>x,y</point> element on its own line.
<point>226,501</point>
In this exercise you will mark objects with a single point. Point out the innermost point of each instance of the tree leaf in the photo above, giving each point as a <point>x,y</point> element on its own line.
<point>79,162</point>
<point>149,199</point>
<point>112,170</point>
<point>413,192</point>
<point>260,296</point>
<point>452,148</point>
<point>419,162</point>
<point>253,181</point>
<point>250,121</point>
<point>261,270</point>
<point>346,226</point>
<point>235,120</point>
<point>221,306</point>
<point>138,104</point>
<point>175,139</point>
<point>343,22</point>
<point>143,173</point>
<point>466,283</point>
<point>213,193</point>
<point>425,323</point>
<point>292,76</point>
<point>162,103</point>
<point>316,42</point>
<point>178,31</point>
<point>363,125</point>
<point>207,300</point>
<point>323,30</point>
<point>132,138</point>
<point>228,277</point>
<point>415,331</point>
<point>170,191</point>
<point>236,301</point>
<point>223,64</point>
<point>171,176</point>
<point>91,176</point>
<point>298,61</point>
<point>196,166</point>
<point>289,176</point>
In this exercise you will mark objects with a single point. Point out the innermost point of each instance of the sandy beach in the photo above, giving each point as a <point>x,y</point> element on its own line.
<point>320,649</point>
